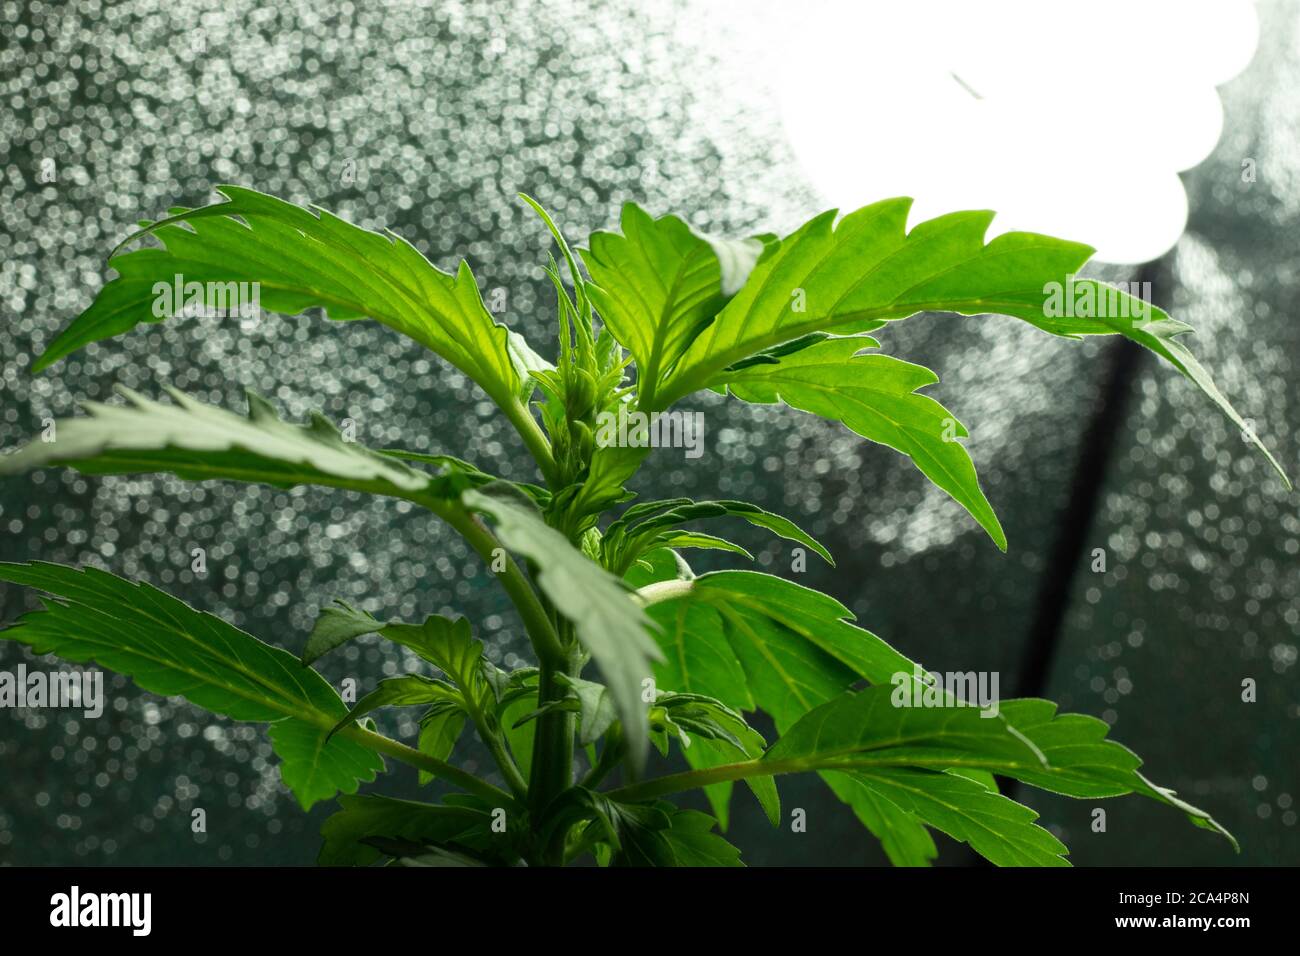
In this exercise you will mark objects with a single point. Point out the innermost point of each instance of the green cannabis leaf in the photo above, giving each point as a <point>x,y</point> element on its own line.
<point>171,649</point>
<point>612,629</point>
<point>302,259</point>
<point>658,283</point>
<point>680,661</point>
<point>363,818</point>
<point>867,269</point>
<point>875,396</point>
<point>998,829</point>
<point>200,442</point>
<point>647,527</point>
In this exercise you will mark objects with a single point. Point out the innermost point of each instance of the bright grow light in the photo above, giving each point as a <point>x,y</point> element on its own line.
<point>1072,119</point>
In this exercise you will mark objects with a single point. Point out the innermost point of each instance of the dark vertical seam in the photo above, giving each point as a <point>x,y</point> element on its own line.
<point>1123,362</point>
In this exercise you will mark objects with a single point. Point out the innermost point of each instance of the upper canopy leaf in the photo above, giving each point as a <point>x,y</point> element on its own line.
<point>169,648</point>
<point>303,259</point>
<point>658,283</point>
<point>876,396</point>
<point>867,269</point>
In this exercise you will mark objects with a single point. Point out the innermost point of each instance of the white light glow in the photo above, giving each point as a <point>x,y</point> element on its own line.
<point>1071,119</point>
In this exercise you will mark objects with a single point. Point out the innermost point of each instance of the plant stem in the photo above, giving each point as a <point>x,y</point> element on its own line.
<point>545,641</point>
<point>509,769</point>
<point>693,779</point>
<point>534,439</point>
<point>541,633</point>
<point>552,769</point>
<point>496,746</point>
<point>662,591</point>
<point>409,755</point>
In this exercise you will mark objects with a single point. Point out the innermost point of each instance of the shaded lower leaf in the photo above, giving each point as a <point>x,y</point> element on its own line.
<point>665,836</point>
<point>440,728</point>
<point>406,853</point>
<point>903,836</point>
<point>364,817</point>
<point>169,648</point>
<point>704,753</point>
<point>401,692</point>
<point>693,842</point>
<point>997,828</point>
<point>315,765</point>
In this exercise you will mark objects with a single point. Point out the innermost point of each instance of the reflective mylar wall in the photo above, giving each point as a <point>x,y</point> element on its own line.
<point>429,118</point>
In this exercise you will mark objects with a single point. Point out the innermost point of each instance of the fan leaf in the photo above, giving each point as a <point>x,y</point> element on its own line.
<point>199,442</point>
<point>875,396</point>
<point>658,283</point>
<point>868,269</point>
<point>169,648</point>
<point>304,259</point>
<point>996,827</point>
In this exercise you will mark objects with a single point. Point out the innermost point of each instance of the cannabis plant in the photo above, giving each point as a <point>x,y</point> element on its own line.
<point>632,648</point>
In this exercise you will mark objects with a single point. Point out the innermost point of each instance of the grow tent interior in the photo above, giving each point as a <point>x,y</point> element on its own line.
<point>429,123</point>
